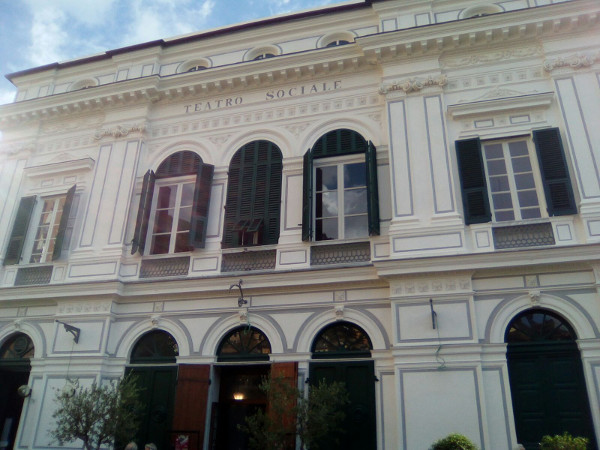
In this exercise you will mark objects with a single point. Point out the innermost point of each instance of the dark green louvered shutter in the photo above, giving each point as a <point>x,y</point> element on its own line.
<point>555,174</point>
<point>254,193</point>
<point>307,195</point>
<point>64,220</point>
<point>19,231</point>
<point>201,204</point>
<point>372,189</point>
<point>143,215</point>
<point>472,181</point>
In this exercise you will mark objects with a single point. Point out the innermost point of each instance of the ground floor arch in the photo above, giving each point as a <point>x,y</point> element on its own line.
<point>546,377</point>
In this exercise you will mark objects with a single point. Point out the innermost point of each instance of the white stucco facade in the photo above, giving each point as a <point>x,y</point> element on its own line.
<point>416,78</point>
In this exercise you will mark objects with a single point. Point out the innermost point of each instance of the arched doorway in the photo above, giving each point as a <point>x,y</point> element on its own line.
<point>153,363</point>
<point>15,355</point>
<point>239,391</point>
<point>546,378</point>
<point>342,352</point>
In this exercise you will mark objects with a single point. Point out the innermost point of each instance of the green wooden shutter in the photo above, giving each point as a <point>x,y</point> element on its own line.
<point>307,196</point>
<point>19,231</point>
<point>372,190</point>
<point>143,215</point>
<point>555,174</point>
<point>64,220</point>
<point>472,181</point>
<point>254,193</point>
<point>201,204</point>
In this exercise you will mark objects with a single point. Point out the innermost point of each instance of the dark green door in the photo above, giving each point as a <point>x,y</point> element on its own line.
<point>546,379</point>
<point>158,398</point>
<point>359,432</point>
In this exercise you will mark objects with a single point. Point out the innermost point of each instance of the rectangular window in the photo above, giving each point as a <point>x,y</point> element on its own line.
<point>47,229</point>
<point>513,182</point>
<point>172,209</point>
<point>341,209</point>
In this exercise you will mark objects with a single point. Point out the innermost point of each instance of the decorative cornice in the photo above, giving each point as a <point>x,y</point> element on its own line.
<point>576,61</point>
<point>14,150</point>
<point>414,84</point>
<point>486,106</point>
<point>120,131</point>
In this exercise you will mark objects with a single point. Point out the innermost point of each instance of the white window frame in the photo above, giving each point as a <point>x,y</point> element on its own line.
<point>536,173</point>
<point>162,182</point>
<point>339,162</point>
<point>34,225</point>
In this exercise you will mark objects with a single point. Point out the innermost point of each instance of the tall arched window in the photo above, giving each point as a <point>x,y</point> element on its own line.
<point>244,344</point>
<point>173,209</point>
<point>538,325</point>
<point>155,347</point>
<point>340,200</point>
<point>342,339</point>
<point>253,204</point>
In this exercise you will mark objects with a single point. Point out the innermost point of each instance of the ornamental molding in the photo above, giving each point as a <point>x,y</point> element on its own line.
<point>576,61</point>
<point>120,131</point>
<point>74,308</point>
<point>422,286</point>
<point>491,57</point>
<point>19,149</point>
<point>534,297</point>
<point>414,84</point>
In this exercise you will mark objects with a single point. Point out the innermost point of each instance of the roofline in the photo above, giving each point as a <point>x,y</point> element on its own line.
<point>195,37</point>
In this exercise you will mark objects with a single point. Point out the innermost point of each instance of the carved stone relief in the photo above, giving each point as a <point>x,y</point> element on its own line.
<point>576,61</point>
<point>120,131</point>
<point>491,57</point>
<point>409,85</point>
<point>87,307</point>
<point>422,286</point>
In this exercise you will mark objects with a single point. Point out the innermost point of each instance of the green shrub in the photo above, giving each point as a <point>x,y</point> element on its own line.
<point>454,442</point>
<point>563,442</point>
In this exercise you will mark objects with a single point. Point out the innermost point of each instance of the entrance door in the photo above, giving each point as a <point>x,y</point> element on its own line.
<point>546,379</point>
<point>15,355</point>
<point>359,377</point>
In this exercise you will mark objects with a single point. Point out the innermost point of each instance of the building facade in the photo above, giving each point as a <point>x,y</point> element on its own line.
<point>400,195</point>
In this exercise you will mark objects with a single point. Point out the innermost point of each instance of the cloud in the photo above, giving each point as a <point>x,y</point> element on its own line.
<point>48,36</point>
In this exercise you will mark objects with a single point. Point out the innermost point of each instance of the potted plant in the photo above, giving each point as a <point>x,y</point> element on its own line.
<point>454,441</point>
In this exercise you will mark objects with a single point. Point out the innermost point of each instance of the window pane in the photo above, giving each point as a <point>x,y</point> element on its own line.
<point>164,221</point>
<point>326,229</point>
<point>187,194</point>
<point>518,148</point>
<point>496,167</point>
<point>327,204</point>
<point>160,244</point>
<point>355,175</point>
<point>531,213</point>
<point>326,178</point>
<point>166,197</point>
<point>502,201</point>
<point>499,184</point>
<point>493,151</point>
<point>504,215</point>
<point>528,198</point>
<point>356,226</point>
<point>182,242</point>
<point>524,181</point>
<point>355,201</point>
<point>185,217</point>
<point>521,164</point>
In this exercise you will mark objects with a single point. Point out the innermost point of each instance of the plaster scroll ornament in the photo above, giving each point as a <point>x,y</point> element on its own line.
<point>534,297</point>
<point>9,151</point>
<point>119,131</point>
<point>414,84</point>
<point>339,312</point>
<point>155,320</point>
<point>243,315</point>
<point>489,57</point>
<point>18,323</point>
<point>577,61</point>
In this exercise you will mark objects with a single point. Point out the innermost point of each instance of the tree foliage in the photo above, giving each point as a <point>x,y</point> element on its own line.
<point>563,442</point>
<point>99,415</point>
<point>315,419</point>
<point>454,441</point>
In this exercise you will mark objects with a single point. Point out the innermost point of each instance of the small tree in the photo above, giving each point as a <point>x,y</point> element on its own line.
<point>454,441</point>
<point>313,419</point>
<point>563,442</point>
<point>98,415</point>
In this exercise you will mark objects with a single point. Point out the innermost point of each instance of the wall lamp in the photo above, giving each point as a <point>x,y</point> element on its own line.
<point>71,329</point>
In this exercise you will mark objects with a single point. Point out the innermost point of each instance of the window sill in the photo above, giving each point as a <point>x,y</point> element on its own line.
<point>249,248</point>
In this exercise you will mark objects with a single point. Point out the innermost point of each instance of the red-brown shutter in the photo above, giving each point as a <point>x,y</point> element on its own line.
<point>191,401</point>
<point>289,372</point>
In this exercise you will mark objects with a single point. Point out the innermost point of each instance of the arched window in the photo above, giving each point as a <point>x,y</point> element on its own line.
<point>538,325</point>
<point>335,39</point>
<point>194,65</point>
<point>18,348</point>
<point>341,199</point>
<point>243,344</point>
<point>253,203</point>
<point>173,209</point>
<point>337,42</point>
<point>342,339</point>
<point>155,347</point>
<point>264,52</point>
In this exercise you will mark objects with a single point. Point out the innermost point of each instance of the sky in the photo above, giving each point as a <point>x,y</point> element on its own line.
<point>38,32</point>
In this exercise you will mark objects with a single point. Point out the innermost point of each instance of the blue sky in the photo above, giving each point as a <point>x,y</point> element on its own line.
<point>38,32</point>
